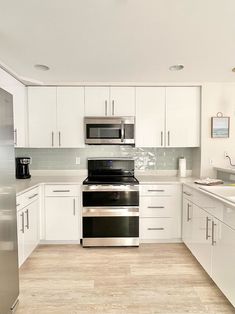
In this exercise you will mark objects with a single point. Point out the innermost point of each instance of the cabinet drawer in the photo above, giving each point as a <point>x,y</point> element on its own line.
<point>156,206</point>
<point>155,228</point>
<point>61,190</point>
<point>188,193</point>
<point>29,197</point>
<point>19,202</point>
<point>158,190</point>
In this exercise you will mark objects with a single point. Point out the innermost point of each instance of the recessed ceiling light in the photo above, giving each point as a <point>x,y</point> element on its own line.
<point>41,67</point>
<point>176,67</point>
<point>233,69</point>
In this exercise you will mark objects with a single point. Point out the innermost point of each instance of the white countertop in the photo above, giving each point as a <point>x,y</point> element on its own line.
<point>212,195</point>
<point>26,184</point>
<point>155,179</point>
<point>225,169</point>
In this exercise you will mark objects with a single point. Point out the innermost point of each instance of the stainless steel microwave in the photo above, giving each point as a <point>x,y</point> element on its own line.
<point>110,130</point>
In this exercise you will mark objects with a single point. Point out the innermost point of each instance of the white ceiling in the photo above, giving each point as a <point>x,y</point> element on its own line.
<point>119,40</point>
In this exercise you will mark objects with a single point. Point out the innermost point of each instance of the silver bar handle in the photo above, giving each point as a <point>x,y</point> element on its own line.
<point>207,228</point>
<point>156,228</point>
<point>32,196</point>
<point>213,242</point>
<point>122,131</point>
<point>15,139</point>
<point>22,222</point>
<point>59,138</point>
<point>106,107</point>
<point>161,138</point>
<point>64,191</point>
<point>17,205</point>
<point>74,207</point>
<point>157,207</point>
<point>188,209</point>
<point>168,135</point>
<point>27,217</point>
<point>156,190</point>
<point>113,107</point>
<point>188,194</point>
<point>52,138</point>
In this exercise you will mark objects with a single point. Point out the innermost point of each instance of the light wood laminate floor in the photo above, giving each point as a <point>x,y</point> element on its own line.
<point>154,278</point>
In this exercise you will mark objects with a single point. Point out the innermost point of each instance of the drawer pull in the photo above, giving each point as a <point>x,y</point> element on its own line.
<point>27,217</point>
<point>17,205</point>
<point>62,191</point>
<point>207,227</point>
<point>22,222</point>
<point>156,190</point>
<point>32,196</point>
<point>157,207</point>
<point>156,228</point>
<point>188,194</point>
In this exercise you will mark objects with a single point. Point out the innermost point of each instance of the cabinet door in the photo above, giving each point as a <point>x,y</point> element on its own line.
<point>182,116</point>
<point>187,223</point>
<point>201,237</point>
<point>97,101</point>
<point>62,218</point>
<point>20,235</point>
<point>223,259</point>
<point>122,100</point>
<point>19,104</point>
<point>42,116</point>
<point>150,116</point>
<point>70,114</point>
<point>31,235</point>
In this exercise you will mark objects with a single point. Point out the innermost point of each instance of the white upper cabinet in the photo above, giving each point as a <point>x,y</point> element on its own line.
<point>110,101</point>
<point>18,91</point>
<point>70,114</point>
<point>97,101</point>
<point>42,116</point>
<point>122,101</point>
<point>182,116</point>
<point>55,116</point>
<point>150,116</point>
<point>19,106</point>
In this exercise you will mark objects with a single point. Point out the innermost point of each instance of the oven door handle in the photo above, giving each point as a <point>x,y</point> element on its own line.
<point>110,212</point>
<point>122,131</point>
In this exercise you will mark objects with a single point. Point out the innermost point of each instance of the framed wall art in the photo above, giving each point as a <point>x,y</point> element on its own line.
<point>220,126</point>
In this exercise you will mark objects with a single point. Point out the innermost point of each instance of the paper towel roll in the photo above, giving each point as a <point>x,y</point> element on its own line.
<point>182,167</point>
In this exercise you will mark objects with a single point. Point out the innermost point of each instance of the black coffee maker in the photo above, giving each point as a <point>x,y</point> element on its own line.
<point>22,168</point>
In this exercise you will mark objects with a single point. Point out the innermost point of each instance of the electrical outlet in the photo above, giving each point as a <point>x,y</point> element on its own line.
<point>225,154</point>
<point>211,161</point>
<point>78,160</point>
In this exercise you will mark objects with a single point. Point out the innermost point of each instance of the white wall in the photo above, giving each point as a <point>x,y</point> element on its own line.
<point>18,90</point>
<point>216,97</point>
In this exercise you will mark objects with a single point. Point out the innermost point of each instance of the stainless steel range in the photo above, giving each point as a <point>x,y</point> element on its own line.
<point>110,215</point>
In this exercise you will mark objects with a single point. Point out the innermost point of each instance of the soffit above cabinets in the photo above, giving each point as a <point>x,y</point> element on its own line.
<point>118,40</point>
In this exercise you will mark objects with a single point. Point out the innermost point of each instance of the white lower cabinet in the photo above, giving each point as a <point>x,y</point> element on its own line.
<point>187,222</point>
<point>223,259</point>
<point>201,237</point>
<point>62,219</point>
<point>160,212</point>
<point>28,230</point>
<point>211,239</point>
<point>62,213</point>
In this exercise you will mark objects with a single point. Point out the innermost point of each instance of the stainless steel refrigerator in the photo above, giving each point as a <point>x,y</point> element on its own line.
<point>9,276</point>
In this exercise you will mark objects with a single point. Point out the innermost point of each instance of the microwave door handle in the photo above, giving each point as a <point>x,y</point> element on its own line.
<point>122,131</point>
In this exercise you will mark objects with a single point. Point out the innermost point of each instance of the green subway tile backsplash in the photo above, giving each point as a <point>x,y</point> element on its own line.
<point>145,158</point>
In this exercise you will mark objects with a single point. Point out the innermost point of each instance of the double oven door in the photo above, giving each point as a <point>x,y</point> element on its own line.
<point>110,215</point>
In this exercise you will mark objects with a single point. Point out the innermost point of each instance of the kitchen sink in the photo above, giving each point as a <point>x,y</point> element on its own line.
<point>225,191</point>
